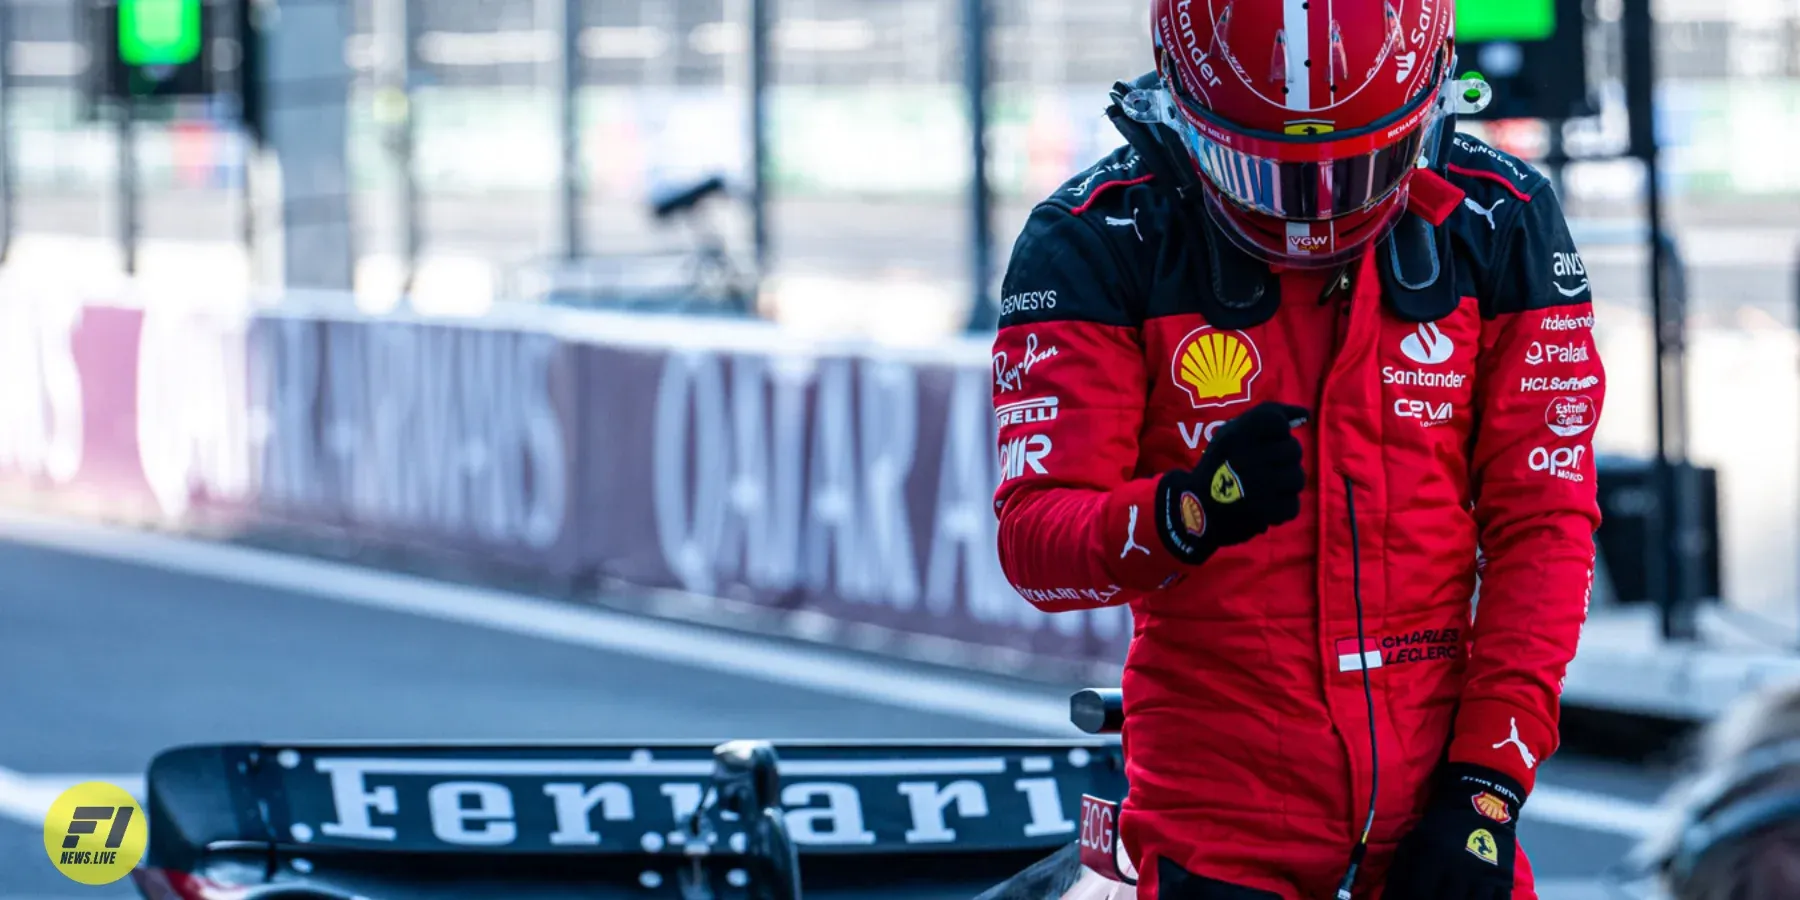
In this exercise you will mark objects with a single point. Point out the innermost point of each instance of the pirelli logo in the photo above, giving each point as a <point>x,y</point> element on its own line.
<point>1025,412</point>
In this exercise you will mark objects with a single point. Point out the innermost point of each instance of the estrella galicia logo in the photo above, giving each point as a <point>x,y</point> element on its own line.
<point>95,833</point>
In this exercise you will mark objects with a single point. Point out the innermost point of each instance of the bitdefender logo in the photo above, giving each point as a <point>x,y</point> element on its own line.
<point>1568,323</point>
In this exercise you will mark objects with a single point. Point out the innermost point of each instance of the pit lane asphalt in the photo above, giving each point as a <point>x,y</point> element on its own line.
<point>104,662</point>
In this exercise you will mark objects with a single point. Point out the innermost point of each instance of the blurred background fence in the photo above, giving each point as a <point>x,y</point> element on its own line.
<point>868,176</point>
<point>867,123</point>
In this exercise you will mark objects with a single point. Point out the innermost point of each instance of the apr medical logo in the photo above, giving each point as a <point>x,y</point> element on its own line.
<point>95,833</point>
<point>1216,368</point>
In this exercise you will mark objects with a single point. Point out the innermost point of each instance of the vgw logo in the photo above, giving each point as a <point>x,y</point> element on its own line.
<point>95,833</point>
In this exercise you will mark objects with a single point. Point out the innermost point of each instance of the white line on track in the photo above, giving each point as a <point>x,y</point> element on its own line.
<point>1042,712</point>
<point>27,798</point>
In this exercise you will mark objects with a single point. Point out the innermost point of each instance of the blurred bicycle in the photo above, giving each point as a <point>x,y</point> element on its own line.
<point>706,277</point>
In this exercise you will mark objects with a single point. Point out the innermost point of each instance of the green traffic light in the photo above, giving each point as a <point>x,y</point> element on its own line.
<point>1505,20</point>
<point>159,32</point>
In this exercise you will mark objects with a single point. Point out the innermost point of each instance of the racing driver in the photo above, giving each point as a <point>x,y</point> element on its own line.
<point>1289,373</point>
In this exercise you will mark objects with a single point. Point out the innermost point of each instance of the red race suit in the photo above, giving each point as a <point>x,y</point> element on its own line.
<point>1449,447</point>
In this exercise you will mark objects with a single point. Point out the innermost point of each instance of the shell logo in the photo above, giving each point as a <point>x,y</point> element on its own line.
<point>1216,368</point>
<point>1492,807</point>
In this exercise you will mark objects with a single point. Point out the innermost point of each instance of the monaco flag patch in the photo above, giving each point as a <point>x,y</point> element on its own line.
<point>1354,655</point>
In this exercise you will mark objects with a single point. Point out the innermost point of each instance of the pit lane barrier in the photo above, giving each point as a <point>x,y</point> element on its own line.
<point>834,491</point>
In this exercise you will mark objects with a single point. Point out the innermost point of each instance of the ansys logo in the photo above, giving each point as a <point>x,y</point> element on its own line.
<point>95,833</point>
<point>1216,368</point>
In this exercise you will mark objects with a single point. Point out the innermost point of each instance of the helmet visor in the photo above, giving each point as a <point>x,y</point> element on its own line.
<point>1312,173</point>
<point>1303,191</point>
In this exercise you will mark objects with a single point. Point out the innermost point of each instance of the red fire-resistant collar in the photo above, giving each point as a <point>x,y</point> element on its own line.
<point>1433,198</point>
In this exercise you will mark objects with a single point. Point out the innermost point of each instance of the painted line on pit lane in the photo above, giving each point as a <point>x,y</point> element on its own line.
<point>817,670</point>
<point>26,798</point>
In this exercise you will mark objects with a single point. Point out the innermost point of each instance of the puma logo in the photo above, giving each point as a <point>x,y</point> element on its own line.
<point>1131,536</point>
<point>1524,751</point>
<point>1487,213</point>
<point>1131,223</point>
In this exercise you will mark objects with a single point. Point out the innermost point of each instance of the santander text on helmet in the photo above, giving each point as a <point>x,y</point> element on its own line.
<point>1190,43</point>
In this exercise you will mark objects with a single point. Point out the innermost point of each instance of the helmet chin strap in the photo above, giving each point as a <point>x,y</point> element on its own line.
<point>1149,106</point>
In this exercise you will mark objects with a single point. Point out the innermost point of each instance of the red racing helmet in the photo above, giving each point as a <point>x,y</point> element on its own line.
<point>1305,118</point>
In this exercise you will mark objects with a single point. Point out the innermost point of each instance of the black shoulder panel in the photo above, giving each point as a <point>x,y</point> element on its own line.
<point>1482,170</point>
<point>1079,255</point>
<point>1062,270</point>
<point>1511,229</point>
<point>1102,186</point>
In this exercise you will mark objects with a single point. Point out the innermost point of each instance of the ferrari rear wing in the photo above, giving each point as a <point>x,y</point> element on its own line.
<point>413,820</point>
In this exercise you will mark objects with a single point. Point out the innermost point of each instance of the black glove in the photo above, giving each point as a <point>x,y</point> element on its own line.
<point>1464,848</point>
<point>1248,481</point>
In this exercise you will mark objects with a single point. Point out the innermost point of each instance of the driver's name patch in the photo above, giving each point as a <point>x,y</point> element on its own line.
<point>1423,645</point>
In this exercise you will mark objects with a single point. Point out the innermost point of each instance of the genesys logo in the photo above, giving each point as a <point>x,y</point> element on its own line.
<point>1022,454</point>
<point>1216,368</point>
<point>1427,346</point>
<point>1561,462</point>
<point>1570,416</point>
<point>1557,322</point>
<point>1025,412</point>
<point>1427,414</point>
<point>1539,384</point>
<point>1027,301</point>
<point>1539,353</point>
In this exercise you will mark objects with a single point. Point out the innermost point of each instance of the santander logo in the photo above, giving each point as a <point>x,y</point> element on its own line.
<point>1427,346</point>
